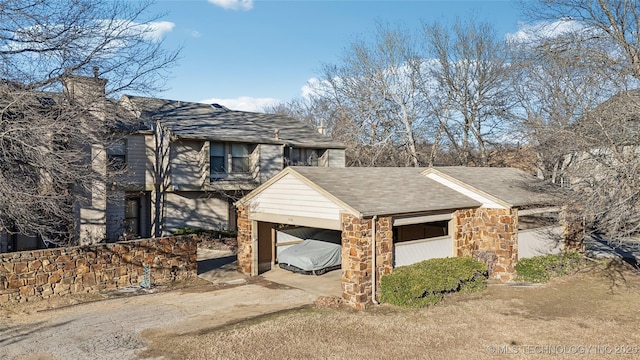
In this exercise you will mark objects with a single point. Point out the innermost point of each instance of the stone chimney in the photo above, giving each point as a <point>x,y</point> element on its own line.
<point>88,92</point>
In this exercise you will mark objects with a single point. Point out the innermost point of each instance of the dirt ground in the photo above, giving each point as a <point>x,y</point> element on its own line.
<point>592,314</point>
<point>112,328</point>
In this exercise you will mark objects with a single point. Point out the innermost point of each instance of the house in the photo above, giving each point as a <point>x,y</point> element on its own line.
<point>170,164</point>
<point>187,163</point>
<point>389,217</point>
<point>601,165</point>
<point>35,180</point>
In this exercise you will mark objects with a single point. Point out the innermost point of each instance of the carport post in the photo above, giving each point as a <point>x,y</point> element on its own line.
<point>274,235</point>
<point>254,248</point>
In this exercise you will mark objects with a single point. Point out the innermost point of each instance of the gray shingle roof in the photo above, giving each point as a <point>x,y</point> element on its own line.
<point>205,121</point>
<point>385,191</point>
<point>510,185</point>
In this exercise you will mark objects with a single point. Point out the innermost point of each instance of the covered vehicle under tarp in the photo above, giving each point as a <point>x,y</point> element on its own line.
<point>311,256</point>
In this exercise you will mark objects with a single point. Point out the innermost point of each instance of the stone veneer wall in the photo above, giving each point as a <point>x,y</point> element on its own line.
<point>41,274</point>
<point>573,229</point>
<point>481,232</point>
<point>384,249</point>
<point>245,249</point>
<point>357,259</point>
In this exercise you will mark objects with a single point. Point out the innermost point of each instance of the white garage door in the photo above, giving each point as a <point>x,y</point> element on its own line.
<point>411,252</point>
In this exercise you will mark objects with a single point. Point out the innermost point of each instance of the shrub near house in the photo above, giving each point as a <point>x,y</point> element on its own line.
<point>539,269</point>
<point>426,282</point>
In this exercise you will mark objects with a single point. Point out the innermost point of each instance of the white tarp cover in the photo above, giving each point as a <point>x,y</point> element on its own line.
<point>312,255</point>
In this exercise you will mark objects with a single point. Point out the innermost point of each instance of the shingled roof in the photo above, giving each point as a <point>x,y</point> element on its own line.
<point>382,190</point>
<point>511,186</point>
<point>395,190</point>
<point>214,122</point>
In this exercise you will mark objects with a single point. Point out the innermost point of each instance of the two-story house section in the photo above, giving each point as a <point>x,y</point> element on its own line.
<point>187,163</point>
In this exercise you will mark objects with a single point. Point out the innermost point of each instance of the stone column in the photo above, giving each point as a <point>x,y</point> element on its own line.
<point>357,260</point>
<point>488,235</point>
<point>572,230</point>
<point>384,250</point>
<point>245,250</point>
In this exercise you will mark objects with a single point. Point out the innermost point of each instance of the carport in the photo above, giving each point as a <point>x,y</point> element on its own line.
<point>388,217</point>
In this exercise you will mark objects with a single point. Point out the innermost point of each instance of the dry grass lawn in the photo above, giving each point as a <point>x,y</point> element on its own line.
<point>592,314</point>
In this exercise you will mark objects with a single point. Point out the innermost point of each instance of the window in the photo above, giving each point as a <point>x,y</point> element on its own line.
<point>420,231</point>
<point>132,216</point>
<point>117,155</point>
<point>217,158</point>
<point>239,158</point>
<point>301,157</point>
<point>229,158</point>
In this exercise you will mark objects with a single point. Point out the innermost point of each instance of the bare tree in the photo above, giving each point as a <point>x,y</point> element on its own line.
<point>605,170</point>
<point>602,144</point>
<point>473,73</point>
<point>373,93</point>
<point>51,118</point>
<point>607,28</point>
<point>553,90</point>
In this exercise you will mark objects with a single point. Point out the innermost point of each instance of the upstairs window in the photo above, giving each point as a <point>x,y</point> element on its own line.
<point>217,158</point>
<point>117,155</point>
<point>239,158</point>
<point>301,157</point>
<point>229,158</point>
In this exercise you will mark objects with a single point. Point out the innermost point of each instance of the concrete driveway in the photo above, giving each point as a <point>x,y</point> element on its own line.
<point>119,328</point>
<point>628,250</point>
<point>219,266</point>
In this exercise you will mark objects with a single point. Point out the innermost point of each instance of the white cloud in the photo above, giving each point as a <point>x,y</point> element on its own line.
<point>154,31</point>
<point>310,88</point>
<point>315,86</point>
<point>545,30</point>
<point>196,34</point>
<point>98,34</point>
<point>233,4</point>
<point>244,103</point>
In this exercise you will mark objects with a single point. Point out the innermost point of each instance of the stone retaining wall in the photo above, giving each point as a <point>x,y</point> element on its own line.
<point>41,274</point>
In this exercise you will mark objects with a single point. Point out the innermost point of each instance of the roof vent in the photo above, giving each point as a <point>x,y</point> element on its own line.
<point>218,106</point>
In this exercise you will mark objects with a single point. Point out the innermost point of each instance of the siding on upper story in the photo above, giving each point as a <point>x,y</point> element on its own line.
<point>150,166</point>
<point>336,158</point>
<point>184,164</point>
<point>271,161</point>
<point>188,165</point>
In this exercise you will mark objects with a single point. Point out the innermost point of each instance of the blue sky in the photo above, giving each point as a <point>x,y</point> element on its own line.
<point>245,54</point>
